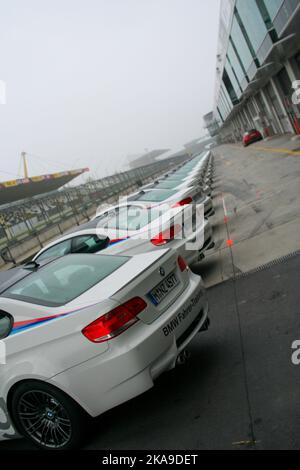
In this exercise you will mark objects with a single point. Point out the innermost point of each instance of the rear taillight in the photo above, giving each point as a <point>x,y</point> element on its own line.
<point>116,321</point>
<point>183,202</point>
<point>182,264</point>
<point>166,236</point>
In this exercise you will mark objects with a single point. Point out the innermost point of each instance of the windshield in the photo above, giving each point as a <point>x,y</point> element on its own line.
<point>65,279</point>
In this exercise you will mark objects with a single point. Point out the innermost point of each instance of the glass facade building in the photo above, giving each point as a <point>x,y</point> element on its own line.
<point>241,45</point>
<point>273,7</point>
<point>258,60</point>
<point>252,22</point>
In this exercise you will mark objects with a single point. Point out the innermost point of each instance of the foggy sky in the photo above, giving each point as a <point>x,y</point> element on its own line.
<point>92,81</point>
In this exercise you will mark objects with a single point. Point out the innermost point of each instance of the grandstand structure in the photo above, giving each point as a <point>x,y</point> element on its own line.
<point>35,210</point>
<point>24,188</point>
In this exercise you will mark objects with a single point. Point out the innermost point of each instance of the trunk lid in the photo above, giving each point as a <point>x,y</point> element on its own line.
<point>159,285</point>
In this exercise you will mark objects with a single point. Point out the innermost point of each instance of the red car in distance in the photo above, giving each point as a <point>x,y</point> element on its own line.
<point>251,136</point>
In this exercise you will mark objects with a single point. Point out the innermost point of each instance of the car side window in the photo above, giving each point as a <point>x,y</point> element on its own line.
<point>88,244</point>
<point>60,249</point>
<point>6,324</point>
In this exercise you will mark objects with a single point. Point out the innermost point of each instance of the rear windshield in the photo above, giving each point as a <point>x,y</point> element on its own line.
<point>129,218</point>
<point>155,196</point>
<point>65,279</point>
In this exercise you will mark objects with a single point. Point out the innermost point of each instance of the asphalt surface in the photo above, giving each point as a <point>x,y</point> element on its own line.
<point>258,190</point>
<point>240,389</point>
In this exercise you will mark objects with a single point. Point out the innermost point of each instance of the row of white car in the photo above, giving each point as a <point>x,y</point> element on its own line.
<point>100,313</point>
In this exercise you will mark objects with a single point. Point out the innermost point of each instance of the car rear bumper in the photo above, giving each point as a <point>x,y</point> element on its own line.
<point>208,206</point>
<point>136,358</point>
<point>210,211</point>
<point>192,256</point>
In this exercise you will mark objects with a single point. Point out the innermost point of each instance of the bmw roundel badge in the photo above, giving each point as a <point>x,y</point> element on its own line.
<point>162,271</point>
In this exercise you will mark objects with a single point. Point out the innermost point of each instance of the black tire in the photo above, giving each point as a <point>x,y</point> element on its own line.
<point>46,416</point>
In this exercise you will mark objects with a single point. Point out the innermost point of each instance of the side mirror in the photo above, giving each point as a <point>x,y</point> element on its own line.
<point>101,244</point>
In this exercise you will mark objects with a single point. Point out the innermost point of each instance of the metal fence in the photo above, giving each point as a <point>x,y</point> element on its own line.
<point>29,218</point>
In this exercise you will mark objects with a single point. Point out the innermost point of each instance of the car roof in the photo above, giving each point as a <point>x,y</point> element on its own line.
<point>147,195</point>
<point>12,276</point>
<point>92,224</point>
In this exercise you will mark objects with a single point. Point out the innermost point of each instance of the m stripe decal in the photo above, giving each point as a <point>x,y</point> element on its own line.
<point>117,240</point>
<point>24,325</point>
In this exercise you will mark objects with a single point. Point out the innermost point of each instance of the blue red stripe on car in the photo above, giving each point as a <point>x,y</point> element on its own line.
<point>117,240</point>
<point>20,326</point>
<point>25,325</point>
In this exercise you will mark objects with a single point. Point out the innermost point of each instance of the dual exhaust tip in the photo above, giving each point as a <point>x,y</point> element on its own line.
<point>185,355</point>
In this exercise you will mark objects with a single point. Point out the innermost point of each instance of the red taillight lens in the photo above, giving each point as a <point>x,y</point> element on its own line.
<point>116,321</point>
<point>166,236</point>
<point>184,202</point>
<point>182,264</point>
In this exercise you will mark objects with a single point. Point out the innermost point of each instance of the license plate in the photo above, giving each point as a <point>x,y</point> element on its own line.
<point>162,290</point>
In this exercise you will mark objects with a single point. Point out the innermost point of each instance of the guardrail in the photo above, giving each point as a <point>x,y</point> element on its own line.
<point>28,225</point>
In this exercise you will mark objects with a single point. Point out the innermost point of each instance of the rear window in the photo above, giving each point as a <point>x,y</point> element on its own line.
<point>129,218</point>
<point>155,196</point>
<point>65,279</point>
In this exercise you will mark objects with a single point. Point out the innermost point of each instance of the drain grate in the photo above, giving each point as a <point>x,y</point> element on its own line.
<point>275,262</point>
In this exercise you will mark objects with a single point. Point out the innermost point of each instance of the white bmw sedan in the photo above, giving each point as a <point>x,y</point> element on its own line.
<point>172,197</point>
<point>201,179</point>
<point>197,191</point>
<point>190,181</point>
<point>195,173</point>
<point>185,173</point>
<point>132,229</point>
<point>83,333</point>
